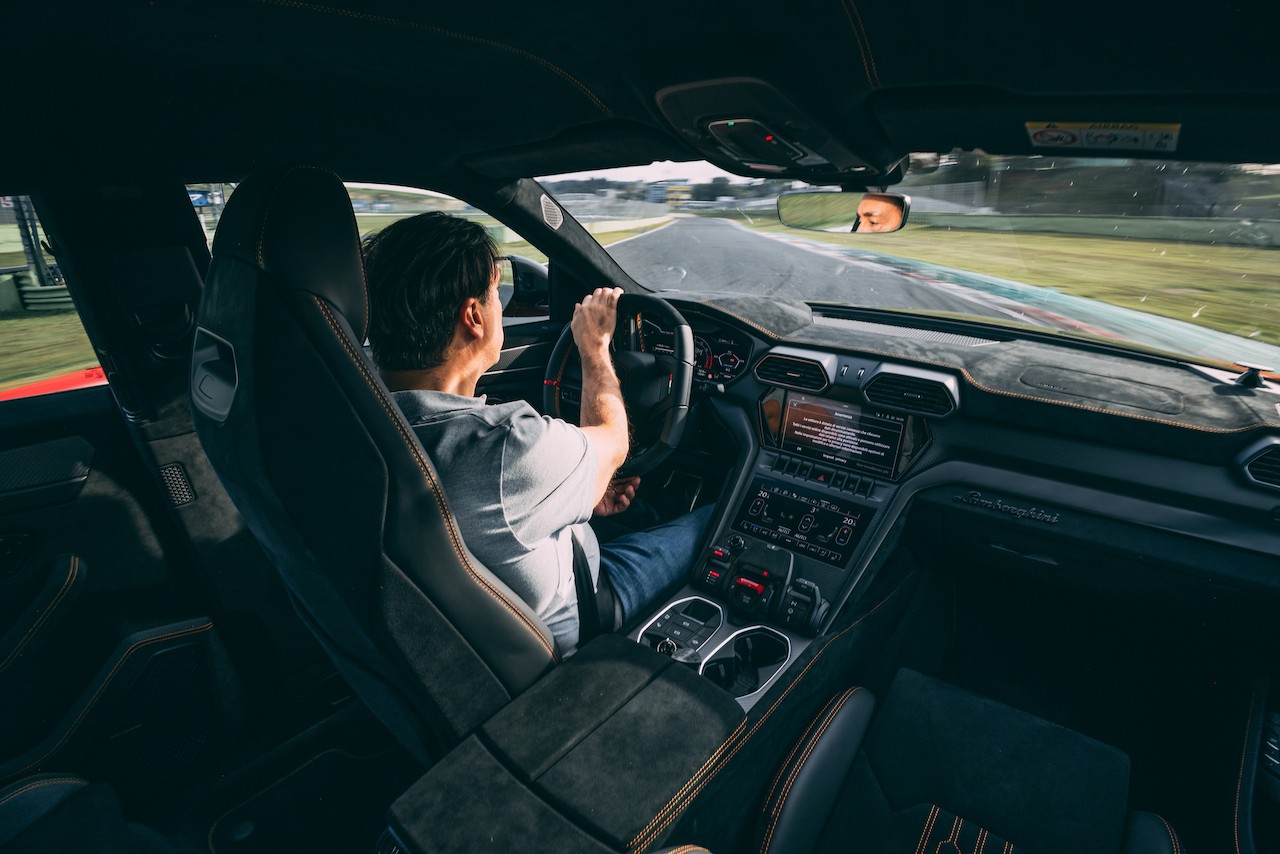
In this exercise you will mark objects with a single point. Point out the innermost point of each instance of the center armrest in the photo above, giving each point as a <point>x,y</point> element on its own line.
<point>595,750</point>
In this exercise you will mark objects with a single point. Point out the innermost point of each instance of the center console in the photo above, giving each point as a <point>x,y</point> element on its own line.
<point>786,548</point>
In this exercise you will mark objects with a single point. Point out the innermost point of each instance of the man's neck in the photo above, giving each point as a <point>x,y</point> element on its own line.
<point>441,378</point>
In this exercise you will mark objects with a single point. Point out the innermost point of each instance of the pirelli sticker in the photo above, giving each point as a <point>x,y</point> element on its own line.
<point>1104,136</point>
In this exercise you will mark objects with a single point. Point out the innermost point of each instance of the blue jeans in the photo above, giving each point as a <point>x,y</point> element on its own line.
<point>642,565</point>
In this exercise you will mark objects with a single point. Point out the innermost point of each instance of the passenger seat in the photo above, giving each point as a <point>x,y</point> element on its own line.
<point>941,771</point>
<point>65,813</point>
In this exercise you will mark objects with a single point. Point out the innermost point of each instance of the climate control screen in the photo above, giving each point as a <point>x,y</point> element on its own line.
<point>808,523</point>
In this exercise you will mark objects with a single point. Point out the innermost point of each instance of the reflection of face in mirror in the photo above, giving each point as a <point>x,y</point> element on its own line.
<point>878,214</point>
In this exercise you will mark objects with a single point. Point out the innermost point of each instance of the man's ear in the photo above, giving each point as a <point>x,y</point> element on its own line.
<point>471,318</point>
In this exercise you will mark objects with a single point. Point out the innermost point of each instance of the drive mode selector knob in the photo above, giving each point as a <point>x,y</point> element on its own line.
<point>735,542</point>
<point>666,646</point>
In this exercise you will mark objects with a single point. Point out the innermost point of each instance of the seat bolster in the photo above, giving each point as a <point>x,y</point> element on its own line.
<point>24,801</point>
<point>805,790</point>
<point>1148,833</point>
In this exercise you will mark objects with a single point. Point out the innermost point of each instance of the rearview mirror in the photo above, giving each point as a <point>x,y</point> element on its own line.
<point>870,213</point>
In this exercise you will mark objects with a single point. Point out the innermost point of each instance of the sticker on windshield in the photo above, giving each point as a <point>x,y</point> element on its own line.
<point>1128,136</point>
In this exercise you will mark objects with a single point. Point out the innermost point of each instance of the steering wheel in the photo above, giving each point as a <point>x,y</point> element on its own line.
<point>655,386</point>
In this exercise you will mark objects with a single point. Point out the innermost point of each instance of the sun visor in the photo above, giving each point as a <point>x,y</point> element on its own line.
<point>598,146</point>
<point>1235,128</point>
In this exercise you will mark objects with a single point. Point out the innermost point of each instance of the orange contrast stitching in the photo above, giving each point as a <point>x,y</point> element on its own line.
<point>1173,837</point>
<point>928,829</point>
<point>1007,849</point>
<point>53,606</point>
<point>795,748</point>
<point>795,774</point>
<point>973,382</point>
<point>1244,754</point>
<point>39,784</point>
<point>953,837</point>
<point>412,25</point>
<point>674,806</point>
<point>446,516</point>
<point>981,842</point>
<point>867,39</point>
<point>862,50</point>
<point>96,694</point>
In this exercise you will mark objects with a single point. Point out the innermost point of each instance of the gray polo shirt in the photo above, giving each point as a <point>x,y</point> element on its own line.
<point>520,485</point>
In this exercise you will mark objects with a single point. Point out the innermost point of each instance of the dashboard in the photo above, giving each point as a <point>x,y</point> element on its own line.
<point>846,428</point>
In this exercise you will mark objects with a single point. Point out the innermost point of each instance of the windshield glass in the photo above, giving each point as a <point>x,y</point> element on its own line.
<point>1180,257</point>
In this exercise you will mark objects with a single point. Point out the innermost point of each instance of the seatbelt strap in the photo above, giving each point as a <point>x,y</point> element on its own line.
<point>595,604</point>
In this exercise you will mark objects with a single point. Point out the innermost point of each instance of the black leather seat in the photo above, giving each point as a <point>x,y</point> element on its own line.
<point>331,479</point>
<point>942,771</point>
<point>62,812</point>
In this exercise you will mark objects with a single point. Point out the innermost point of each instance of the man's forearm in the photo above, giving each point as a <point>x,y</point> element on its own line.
<point>602,406</point>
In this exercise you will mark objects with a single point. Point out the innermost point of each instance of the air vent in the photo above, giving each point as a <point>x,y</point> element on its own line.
<point>791,372</point>
<point>911,394</point>
<point>1265,468</point>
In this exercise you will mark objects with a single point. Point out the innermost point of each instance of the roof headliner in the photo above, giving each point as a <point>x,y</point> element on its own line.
<point>390,90</point>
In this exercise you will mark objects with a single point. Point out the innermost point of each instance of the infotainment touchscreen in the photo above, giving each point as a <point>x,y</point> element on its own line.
<point>842,434</point>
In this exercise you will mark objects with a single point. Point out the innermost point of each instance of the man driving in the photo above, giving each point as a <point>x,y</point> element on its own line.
<point>523,485</point>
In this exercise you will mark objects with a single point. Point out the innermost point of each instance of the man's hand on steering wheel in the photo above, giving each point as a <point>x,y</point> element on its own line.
<point>656,386</point>
<point>594,320</point>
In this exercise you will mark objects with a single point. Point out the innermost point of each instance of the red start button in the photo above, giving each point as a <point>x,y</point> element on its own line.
<point>750,585</point>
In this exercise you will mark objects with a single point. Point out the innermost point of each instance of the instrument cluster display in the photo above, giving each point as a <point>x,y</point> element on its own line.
<point>720,354</point>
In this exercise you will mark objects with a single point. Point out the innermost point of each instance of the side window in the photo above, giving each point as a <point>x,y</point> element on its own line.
<point>43,346</point>
<point>524,272</point>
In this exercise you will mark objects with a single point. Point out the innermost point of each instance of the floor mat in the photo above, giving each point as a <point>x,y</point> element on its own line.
<point>335,802</point>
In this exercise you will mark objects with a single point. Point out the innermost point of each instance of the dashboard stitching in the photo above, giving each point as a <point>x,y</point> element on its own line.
<point>976,384</point>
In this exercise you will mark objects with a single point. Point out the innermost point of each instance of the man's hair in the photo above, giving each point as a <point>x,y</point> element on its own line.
<point>420,271</point>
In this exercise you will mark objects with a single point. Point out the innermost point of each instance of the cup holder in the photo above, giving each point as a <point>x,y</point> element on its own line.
<point>745,662</point>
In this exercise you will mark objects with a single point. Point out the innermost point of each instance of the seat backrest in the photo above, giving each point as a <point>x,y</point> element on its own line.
<point>330,477</point>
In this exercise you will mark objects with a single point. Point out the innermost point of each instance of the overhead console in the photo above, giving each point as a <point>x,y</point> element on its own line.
<point>747,126</point>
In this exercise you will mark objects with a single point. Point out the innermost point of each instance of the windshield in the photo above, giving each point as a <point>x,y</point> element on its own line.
<point>1180,257</point>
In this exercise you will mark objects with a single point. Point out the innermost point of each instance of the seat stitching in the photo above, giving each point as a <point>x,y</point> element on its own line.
<point>928,829</point>
<point>1173,837</point>
<point>413,25</point>
<point>695,785</point>
<point>981,841</point>
<point>446,516</point>
<point>106,682</point>
<point>795,773</point>
<point>813,743</point>
<point>952,837</point>
<point>53,606</point>
<point>795,748</point>
<point>1007,849</point>
<point>56,781</point>
<point>1244,755</point>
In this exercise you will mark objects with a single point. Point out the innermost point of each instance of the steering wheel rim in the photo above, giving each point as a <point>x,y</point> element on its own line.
<point>673,406</point>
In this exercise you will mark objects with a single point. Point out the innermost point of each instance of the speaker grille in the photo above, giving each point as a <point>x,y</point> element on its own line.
<point>176,484</point>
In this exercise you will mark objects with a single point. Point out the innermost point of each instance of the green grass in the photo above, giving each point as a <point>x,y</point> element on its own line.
<point>37,345</point>
<point>1234,289</point>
